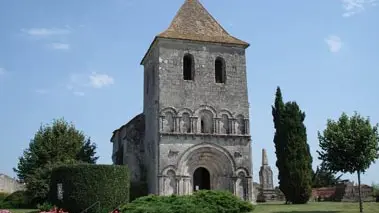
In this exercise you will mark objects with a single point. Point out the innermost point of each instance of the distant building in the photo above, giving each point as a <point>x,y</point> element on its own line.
<point>10,185</point>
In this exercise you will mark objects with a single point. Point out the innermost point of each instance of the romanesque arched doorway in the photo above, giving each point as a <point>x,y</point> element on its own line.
<point>201,179</point>
<point>205,166</point>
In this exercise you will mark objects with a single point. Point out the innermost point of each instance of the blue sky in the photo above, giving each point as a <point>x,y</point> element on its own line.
<point>80,60</point>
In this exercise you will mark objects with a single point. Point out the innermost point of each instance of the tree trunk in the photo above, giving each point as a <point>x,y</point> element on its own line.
<point>359,192</point>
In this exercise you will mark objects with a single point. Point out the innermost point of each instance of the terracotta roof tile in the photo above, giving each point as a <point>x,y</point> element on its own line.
<point>194,22</point>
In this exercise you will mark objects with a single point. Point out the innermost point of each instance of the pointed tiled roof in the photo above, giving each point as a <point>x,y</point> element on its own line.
<point>194,22</point>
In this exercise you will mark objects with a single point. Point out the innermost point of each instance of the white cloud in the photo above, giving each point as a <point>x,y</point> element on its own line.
<point>45,32</point>
<point>2,71</point>
<point>353,7</point>
<point>100,80</point>
<point>78,82</point>
<point>334,43</point>
<point>60,46</point>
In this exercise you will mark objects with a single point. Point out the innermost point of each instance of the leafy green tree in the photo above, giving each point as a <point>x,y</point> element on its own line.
<point>53,145</point>
<point>323,177</point>
<point>294,160</point>
<point>349,145</point>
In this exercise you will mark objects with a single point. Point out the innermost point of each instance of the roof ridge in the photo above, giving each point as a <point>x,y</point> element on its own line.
<point>194,22</point>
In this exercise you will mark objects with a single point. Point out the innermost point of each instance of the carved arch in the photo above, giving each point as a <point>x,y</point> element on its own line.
<point>185,110</point>
<point>226,112</point>
<point>243,170</point>
<point>167,169</point>
<point>206,107</point>
<point>184,158</point>
<point>168,109</point>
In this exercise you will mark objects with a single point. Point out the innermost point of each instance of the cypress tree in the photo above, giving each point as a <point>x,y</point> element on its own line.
<point>298,157</point>
<point>279,141</point>
<point>294,161</point>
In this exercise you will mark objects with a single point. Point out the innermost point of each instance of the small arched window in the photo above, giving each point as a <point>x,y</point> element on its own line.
<point>188,67</point>
<point>169,122</point>
<point>220,74</point>
<point>206,122</point>
<point>186,123</point>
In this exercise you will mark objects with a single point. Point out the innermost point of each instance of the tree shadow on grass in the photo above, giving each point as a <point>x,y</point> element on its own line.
<point>308,212</point>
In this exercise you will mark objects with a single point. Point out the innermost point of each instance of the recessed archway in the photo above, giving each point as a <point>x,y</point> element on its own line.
<point>201,179</point>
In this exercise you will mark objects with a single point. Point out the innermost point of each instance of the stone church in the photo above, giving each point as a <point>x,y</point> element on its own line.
<point>193,133</point>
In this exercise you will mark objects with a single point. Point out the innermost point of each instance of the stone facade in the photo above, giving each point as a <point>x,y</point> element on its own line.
<point>196,113</point>
<point>9,185</point>
<point>128,147</point>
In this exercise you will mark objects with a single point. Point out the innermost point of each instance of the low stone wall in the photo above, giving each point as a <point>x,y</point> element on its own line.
<point>342,192</point>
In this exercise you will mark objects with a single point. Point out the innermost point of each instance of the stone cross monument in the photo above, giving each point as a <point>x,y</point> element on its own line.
<point>265,173</point>
<point>266,178</point>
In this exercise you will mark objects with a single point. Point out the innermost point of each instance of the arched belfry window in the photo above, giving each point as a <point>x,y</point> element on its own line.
<point>206,122</point>
<point>188,67</point>
<point>220,73</point>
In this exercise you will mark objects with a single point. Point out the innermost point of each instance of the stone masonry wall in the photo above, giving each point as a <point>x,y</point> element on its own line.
<point>151,117</point>
<point>178,93</point>
<point>9,185</point>
<point>203,93</point>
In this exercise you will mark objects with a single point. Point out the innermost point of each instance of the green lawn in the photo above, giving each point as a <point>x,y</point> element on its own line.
<point>23,210</point>
<point>314,207</point>
<point>323,207</point>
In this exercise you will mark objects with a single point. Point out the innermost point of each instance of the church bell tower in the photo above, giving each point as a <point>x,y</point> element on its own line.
<point>196,108</point>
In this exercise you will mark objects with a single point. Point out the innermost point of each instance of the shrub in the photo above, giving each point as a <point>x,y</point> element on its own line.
<point>203,201</point>
<point>5,205</point>
<point>17,199</point>
<point>3,195</point>
<point>44,207</point>
<point>84,185</point>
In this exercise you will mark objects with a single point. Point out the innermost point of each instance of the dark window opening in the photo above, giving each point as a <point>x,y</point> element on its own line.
<point>202,127</point>
<point>220,70</point>
<point>188,67</point>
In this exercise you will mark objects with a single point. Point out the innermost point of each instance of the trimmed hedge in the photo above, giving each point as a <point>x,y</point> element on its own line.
<point>85,184</point>
<point>17,199</point>
<point>203,201</point>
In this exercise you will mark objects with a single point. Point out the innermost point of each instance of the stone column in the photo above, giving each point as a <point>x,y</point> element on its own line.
<point>234,181</point>
<point>194,124</point>
<point>247,127</point>
<point>161,189</point>
<point>233,126</point>
<point>217,126</point>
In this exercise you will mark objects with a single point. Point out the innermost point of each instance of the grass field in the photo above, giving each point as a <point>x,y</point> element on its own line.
<point>314,207</point>
<point>23,210</point>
